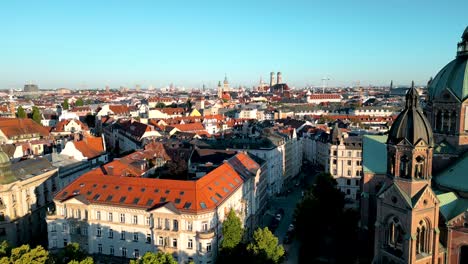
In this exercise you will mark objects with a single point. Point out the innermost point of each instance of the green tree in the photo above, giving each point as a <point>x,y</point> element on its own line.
<point>160,105</point>
<point>4,249</point>
<point>24,254</point>
<point>79,102</point>
<point>88,260</point>
<point>20,112</point>
<point>36,115</point>
<point>232,231</point>
<point>189,104</point>
<point>265,248</point>
<point>65,104</point>
<point>155,258</point>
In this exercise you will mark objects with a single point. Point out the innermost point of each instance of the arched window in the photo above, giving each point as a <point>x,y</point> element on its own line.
<point>422,244</point>
<point>394,234</point>
<point>446,122</point>
<point>392,165</point>
<point>419,168</point>
<point>404,166</point>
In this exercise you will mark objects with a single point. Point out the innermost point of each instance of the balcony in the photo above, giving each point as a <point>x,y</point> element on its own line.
<point>208,234</point>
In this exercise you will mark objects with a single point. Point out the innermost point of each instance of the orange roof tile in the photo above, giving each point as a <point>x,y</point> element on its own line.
<point>21,126</point>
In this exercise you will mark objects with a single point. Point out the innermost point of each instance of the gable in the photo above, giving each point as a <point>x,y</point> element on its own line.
<point>426,198</point>
<point>167,208</point>
<point>396,197</point>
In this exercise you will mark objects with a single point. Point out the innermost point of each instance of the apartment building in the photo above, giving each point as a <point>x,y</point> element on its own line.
<point>128,216</point>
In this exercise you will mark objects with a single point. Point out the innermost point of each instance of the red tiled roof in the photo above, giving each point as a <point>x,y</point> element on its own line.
<point>90,147</point>
<point>172,111</point>
<point>21,126</point>
<point>147,193</point>
<point>325,96</point>
<point>60,127</point>
<point>191,127</point>
<point>119,109</point>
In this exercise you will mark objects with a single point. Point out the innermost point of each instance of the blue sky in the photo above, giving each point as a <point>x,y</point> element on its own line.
<point>89,44</point>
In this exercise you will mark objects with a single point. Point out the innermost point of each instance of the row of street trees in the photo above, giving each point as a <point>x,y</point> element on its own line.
<point>264,247</point>
<point>35,115</point>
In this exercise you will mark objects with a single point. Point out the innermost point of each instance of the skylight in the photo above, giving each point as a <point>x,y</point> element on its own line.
<point>64,194</point>
<point>136,200</point>
<point>143,189</point>
<point>162,200</point>
<point>109,198</point>
<point>122,199</point>
<point>96,197</point>
<point>237,180</point>
<point>219,195</point>
<point>225,190</point>
<point>104,186</point>
<point>187,205</point>
<point>168,191</point>
<point>182,193</point>
<point>216,183</point>
<point>156,190</point>
<point>117,187</point>
<point>203,205</point>
<point>130,188</point>
<point>149,202</point>
<point>232,185</point>
<point>94,185</point>
<point>177,201</point>
<point>89,193</point>
<point>213,199</point>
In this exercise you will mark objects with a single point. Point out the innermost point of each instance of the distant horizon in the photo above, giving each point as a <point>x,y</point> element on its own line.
<point>88,44</point>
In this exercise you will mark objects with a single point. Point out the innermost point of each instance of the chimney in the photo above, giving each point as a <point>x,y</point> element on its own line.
<point>279,78</point>
<point>110,170</point>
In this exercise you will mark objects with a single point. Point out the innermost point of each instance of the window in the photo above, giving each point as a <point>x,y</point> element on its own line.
<point>404,166</point>
<point>175,225</point>
<point>111,250</point>
<point>348,192</point>
<point>161,241</point>
<point>122,235</point>
<point>122,218</point>
<point>394,234</point>
<point>334,161</point>
<point>54,243</point>
<point>135,236</point>
<point>136,253</point>
<point>356,182</point>
<point>419,167</point>
<point>110,217</point>
<point>200,247</point>
<point>159,223</point>
<point>349,172</point>
<point>99,248</point>
<point>98,215</point>
<point>135,219</point>
<point>166,224</point>
<point>111,233</point>
<point>208,247</point>
<point>148,238</point>
<point>349,155</point>
<point>421,238</point>
<point>98,231</point>
<point>53,227</point>
<point>349,162</point>
<point>334,171</point>
<point>189,226</point>
<point>358,162</point>
<point>190,243</point>
<point>124,252</point>
<point>174,242</point>
<point>148,221</point>
<point>348,182</point>
<point>335,153</point>
<point>205,226</point>
<point>84,231</point>
<point>65,227</point>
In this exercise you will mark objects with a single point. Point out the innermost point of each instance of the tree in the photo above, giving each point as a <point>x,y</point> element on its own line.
<point>160,105</point>
<point>21,113</point>
<point>232,231</point>
<point>65,104</point>
<point>189,104</point>
<point>24,254</point>
<point>4,249</point>
<point>88,260</point>
<point>265,248</point>
<point>79,102</point>
<point>36,115</point>
<point>155,258</point>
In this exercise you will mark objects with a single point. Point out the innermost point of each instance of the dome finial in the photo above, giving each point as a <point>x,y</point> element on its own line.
<point>412,97</point>
<point>462,47</point>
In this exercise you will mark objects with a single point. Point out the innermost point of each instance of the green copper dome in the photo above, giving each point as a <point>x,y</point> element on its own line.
<point>454,76</point>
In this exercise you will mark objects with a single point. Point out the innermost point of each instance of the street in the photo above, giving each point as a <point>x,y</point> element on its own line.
<point>288,204</point>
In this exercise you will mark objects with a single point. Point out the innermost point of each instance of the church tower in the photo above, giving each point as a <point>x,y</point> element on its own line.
<point>406,227</point>
<point>220,90</point>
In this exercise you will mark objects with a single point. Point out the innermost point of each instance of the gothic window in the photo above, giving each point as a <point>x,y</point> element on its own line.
<point>446,122</point>
<point>394,234</point>
<point>419,168</point>
<point>422,244</point>
<point>404,166</point>
<point>392,165</point>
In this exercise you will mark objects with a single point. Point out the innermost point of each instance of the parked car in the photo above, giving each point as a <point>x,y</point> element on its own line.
<point>291,228</point>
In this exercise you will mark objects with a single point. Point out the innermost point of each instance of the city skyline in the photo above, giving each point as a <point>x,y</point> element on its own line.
<point>91,45</point>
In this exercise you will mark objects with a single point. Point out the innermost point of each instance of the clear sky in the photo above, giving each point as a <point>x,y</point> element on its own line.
<point>88,44</point>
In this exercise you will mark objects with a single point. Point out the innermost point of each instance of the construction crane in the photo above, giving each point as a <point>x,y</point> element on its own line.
<point>324,83</point>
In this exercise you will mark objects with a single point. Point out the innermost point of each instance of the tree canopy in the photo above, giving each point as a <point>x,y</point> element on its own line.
<point>265,248</point>
<point>24,254</point>
<point>79,102</point>
<point>20,112</point>
<point>65,104</point>
<point>232,231</point>
<point>160,105</point>
<point>36,115</point>
<point>155,258</point>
